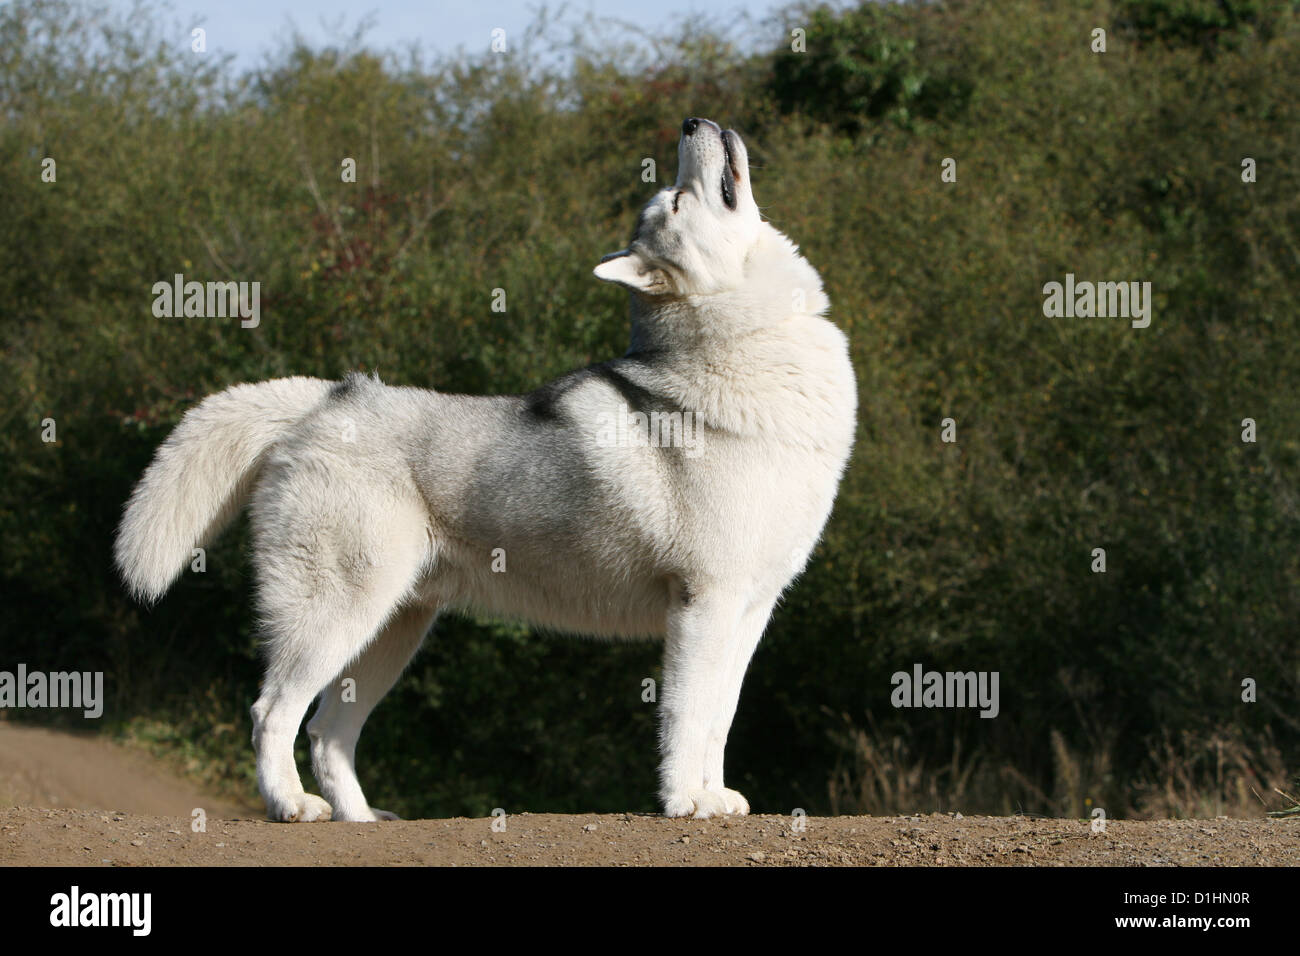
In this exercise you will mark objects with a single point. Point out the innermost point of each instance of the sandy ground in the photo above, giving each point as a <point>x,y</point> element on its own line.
<point>76,801</point>
<point>47,768</point>
<point>93,838</point>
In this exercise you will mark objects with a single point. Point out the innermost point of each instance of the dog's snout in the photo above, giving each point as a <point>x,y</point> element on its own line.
<point>689,126</point>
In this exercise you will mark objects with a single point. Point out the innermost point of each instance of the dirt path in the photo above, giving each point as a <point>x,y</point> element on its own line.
<point>145,821</point>
<point>92,838</point>
<point>48,768</point>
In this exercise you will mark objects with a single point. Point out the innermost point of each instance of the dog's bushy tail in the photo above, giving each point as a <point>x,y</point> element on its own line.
<point>202,475</point>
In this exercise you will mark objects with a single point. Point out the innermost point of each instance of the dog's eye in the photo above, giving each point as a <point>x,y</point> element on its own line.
<point>676,196</point>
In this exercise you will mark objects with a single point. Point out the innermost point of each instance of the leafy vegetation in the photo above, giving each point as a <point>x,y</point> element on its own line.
<point>488,171</point>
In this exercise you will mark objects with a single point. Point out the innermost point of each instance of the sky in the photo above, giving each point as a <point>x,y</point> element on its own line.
<point>249,28</point>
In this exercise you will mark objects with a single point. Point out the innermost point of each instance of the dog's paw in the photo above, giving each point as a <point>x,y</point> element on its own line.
<point>735,802</point>
<point>301,808</point>
<point>365,815</point>
<point>702,804</point>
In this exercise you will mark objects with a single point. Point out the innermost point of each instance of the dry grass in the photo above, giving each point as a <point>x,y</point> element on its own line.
<point>1218,774</point>
<point>1187,776</point>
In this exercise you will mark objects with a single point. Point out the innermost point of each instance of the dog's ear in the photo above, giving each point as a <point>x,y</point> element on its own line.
<point>629,269</point>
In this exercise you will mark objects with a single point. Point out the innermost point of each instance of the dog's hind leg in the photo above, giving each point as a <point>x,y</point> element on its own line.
<point>348,701</point>
<point>330,580</point>
<point>302,662</point>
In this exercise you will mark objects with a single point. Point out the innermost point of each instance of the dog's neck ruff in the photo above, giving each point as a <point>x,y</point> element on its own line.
<point>780,286</point>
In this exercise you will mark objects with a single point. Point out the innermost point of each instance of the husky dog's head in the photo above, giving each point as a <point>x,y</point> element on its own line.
<point>694,237</point>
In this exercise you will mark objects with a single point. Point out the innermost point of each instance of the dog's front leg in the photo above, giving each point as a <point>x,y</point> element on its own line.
<point>698,654</point>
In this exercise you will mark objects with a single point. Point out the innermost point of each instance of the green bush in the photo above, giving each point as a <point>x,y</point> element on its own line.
<point>482,173</point>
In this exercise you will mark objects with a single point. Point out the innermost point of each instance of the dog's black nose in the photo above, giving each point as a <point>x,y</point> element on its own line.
<point>690,126</point>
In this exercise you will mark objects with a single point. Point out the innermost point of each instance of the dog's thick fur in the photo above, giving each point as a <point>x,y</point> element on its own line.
<point>374,508</point>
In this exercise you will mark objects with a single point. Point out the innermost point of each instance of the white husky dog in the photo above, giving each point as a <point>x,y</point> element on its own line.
<point>374,508</point>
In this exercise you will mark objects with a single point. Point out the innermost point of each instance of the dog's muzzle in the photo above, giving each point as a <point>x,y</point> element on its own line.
<point>730,173</point>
